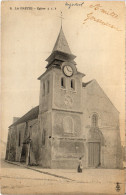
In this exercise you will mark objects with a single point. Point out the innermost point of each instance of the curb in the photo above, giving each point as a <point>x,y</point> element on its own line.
<point>47,173</point>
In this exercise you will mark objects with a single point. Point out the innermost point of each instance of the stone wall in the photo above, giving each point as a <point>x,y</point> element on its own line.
<point>67,140</point>
<point>34,145</point>
<point>57,123</point>
<point>66,98</point>
<point>15,146</point>
<point>63,130</point>
<point>95,101</point>
<point>45,98</point>
<point>11,144</point>
<point>45,137</point>
<point>20,131</point>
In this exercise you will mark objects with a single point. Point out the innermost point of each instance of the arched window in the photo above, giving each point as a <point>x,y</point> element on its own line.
<point>94,120</point>
<point>47,86</point>
<point>43,89</point>
<point>63,82</point>
<point>73,84</point>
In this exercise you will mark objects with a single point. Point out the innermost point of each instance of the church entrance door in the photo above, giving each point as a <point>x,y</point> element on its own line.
<point>93,154</point>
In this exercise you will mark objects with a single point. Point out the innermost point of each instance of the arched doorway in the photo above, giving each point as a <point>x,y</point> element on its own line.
<point>94,154</point>
<point>95,142</point>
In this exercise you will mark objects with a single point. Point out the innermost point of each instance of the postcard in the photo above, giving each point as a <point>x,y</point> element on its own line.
<point>63,97</point>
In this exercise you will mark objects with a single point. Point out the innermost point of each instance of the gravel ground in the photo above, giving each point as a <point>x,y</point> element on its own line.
<point>20,180</point>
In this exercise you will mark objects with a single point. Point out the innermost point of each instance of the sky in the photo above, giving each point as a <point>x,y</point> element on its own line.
<point>95,34</point>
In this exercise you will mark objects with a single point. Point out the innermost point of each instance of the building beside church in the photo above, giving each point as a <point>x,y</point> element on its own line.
<point>74,119</point>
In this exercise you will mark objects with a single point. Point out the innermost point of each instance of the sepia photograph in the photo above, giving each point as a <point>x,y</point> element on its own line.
<point>63,97</point>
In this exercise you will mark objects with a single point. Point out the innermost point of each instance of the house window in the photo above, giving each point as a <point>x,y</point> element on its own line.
<point>43,137</point>
<point>73,84</point>
<point>94,120</point>
<point>43,90</point>
<point>47,87</point>
<point>63,82</point>
<point>19,139</point>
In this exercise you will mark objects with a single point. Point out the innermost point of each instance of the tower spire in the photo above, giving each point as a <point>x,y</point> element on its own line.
<point>61,43</point>
<point>61,51</point>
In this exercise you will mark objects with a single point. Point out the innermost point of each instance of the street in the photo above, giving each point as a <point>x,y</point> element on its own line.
<point>21,180</point>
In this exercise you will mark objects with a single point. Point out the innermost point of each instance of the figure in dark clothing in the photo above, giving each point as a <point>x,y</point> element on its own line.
<point>80,166</point>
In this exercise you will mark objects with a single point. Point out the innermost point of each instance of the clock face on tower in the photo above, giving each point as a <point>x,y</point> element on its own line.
<point>68,71</point>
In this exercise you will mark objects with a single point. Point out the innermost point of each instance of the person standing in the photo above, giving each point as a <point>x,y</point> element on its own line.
<point>80,166</point>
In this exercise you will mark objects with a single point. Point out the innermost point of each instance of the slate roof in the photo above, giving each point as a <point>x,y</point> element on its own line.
<point>85,84</point>
<point>32,114</point>
<point>61,43</point>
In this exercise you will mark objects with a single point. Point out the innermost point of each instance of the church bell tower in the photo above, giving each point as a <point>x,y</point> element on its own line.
<point>60,110</point>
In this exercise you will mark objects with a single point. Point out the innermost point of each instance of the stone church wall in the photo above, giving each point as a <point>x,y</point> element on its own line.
<point>34,146</point>
<point>20,130</point>
<point>110,148</point>
<point>14,149</point>
<point>67,142</point>
<point>95,101</point>
<point>11,144</point>
<point>45,120</point>
<point>66,98</point>
<point>45,99</point>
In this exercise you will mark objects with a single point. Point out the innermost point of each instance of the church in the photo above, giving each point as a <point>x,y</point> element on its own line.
<point>73,119</point>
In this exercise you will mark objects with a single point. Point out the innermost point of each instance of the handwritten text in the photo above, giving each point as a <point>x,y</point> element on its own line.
<point>91,17</point>
<point>73,4</point>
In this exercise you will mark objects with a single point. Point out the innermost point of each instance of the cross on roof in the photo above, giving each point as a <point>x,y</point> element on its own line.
<point>61,16</point>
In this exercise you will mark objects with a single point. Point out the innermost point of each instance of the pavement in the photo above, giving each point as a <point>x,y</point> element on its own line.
<point>17,178</point>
